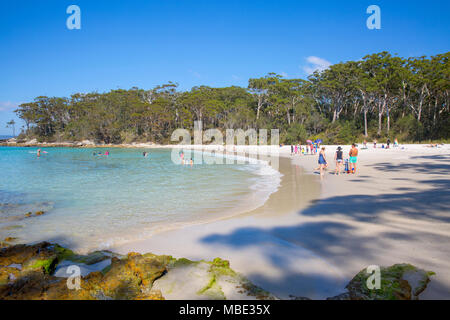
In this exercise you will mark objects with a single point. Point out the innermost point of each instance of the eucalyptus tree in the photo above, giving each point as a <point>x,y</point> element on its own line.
<point>12,124</point>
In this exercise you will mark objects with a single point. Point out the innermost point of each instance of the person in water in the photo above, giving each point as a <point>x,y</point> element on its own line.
<point>182,157</point>
<point>353,158</point>
<point>338,157</point>
<point>107,153</point>
<point>38,152</point>
<point>322,161</point>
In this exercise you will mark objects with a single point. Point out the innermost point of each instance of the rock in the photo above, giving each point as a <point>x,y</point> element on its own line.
<point>39,272</point>
<point>28,214</point>
<point>39,213</point>
<point>31,142</point>
<point>128,278</point>
<point>215,280</point>
<point>10,239</point>
<point>292,297</point>
<point>398,282</point>
<point>87,143</point>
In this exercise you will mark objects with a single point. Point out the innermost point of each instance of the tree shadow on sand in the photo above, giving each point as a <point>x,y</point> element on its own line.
<point>339,241</point>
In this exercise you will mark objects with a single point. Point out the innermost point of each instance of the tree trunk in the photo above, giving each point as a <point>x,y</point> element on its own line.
<point>259,106</point>
<point>365,123</point>
<point>388,120</point>
<point>380,114</point>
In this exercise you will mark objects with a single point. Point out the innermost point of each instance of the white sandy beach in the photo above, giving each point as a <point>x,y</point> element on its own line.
<point>312,236</point>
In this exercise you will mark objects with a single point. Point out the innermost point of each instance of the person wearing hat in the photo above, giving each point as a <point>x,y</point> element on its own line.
<point>338,157</point>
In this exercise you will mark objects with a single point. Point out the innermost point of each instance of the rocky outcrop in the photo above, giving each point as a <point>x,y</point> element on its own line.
<point>40,272</point>
<point>191,280</point>
<point>397,282</point>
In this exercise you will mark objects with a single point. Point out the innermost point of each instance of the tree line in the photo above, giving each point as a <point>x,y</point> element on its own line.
<point>380,96</point>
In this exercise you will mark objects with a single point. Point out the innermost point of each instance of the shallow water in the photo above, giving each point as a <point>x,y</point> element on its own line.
<point>94,202</point>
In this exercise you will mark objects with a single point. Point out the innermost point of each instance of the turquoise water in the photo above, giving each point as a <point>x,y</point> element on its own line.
<point>94,202</point>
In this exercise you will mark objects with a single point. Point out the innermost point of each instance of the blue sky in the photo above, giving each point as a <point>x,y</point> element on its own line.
<point>123,44</point>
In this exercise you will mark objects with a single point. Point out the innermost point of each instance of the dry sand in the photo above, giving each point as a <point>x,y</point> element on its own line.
<point>313,235</point>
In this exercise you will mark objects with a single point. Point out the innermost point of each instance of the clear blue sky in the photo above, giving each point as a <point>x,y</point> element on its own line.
<point>123,44</point>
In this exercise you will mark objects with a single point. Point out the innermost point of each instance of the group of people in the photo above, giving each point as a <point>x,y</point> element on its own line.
<point>310,148</point>
<point>183,161</point>
<point>101,154</point>
<point>388,144</point>
<point>350,166</point>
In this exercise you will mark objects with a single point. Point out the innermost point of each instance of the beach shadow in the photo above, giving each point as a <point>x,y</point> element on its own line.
<point>340,243</point>
<point>420,167</point>
<point>413,203</point>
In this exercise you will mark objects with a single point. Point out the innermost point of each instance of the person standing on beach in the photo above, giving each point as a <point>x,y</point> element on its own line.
<point>353,158</point>
<point>388,142</point>
<point>322,162</point>
<point>339,159</point>
<point>292,150</point>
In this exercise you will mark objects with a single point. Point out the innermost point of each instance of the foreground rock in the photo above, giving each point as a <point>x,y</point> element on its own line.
<point>398,282</point>
<point>190,280</point>
<point>41,272</point>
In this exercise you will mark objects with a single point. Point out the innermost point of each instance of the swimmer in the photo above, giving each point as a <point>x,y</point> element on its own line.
<point>39,152</point>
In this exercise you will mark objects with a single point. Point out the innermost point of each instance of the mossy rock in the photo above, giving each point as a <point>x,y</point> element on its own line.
<point>397,282</point>
<point>44,264</point>
<point>39,213</point>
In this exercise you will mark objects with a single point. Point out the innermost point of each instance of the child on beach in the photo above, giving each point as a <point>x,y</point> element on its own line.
<point>338,158</point>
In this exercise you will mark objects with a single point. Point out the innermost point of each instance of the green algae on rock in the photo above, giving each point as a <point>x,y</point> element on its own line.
<point>398,282</point>
<point>206,280</point>
<point>29,272</point>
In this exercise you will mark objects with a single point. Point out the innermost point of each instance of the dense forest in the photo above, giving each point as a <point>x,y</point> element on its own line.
<point>380,96</point>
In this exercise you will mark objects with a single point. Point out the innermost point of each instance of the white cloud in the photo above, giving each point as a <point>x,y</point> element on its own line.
<point>284,75</point>
<point>7,105</point>
<point>316,64</point>
<point>195,73</point>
